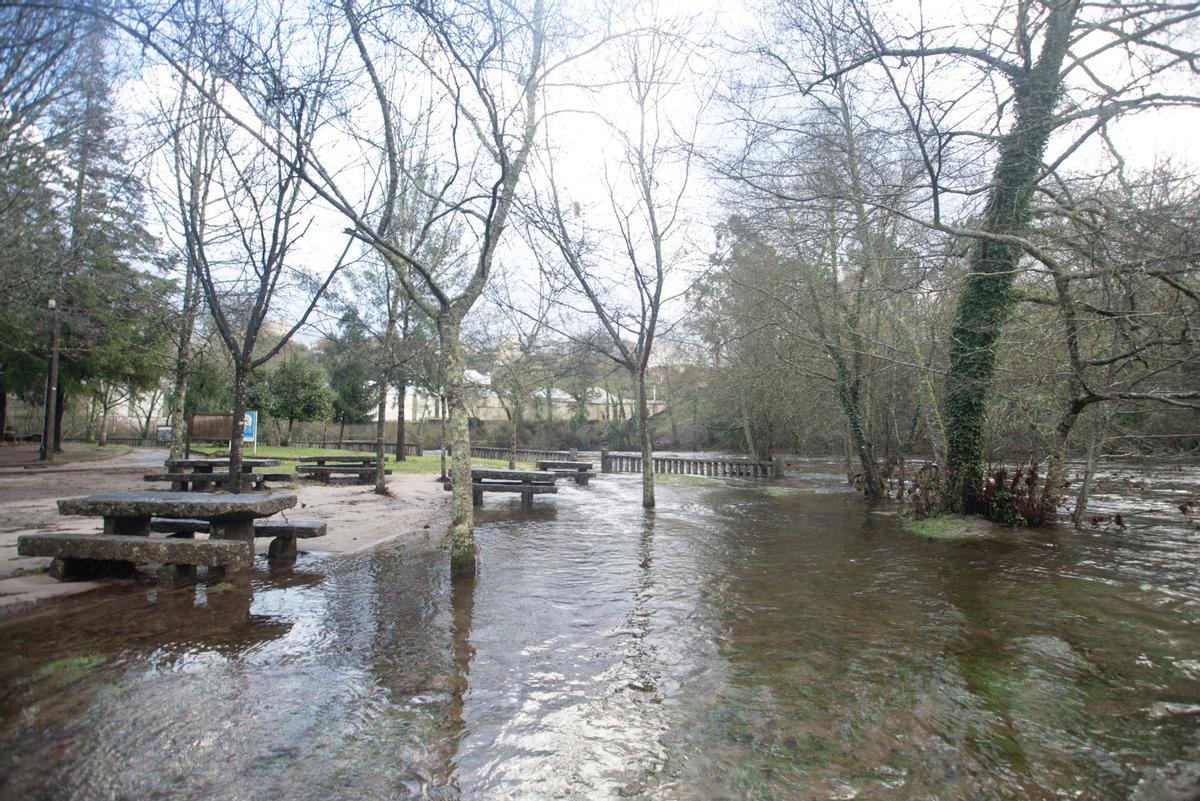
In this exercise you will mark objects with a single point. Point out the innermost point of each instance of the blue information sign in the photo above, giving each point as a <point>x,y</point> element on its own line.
<point>250,427</point>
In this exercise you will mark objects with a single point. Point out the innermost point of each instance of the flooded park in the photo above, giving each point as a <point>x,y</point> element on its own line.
<point>746,639</point>
<point>674,400</point>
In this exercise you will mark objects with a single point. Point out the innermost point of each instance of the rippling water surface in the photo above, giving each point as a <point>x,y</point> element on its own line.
<point>744,640</point>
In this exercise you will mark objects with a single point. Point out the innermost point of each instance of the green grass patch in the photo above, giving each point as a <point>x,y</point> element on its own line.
<point>290,459</point>
<point>220,586</point>
<point>70,668</point>
<point>950,528</point>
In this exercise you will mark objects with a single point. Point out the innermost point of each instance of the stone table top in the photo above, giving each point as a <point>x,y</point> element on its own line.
<point>219,462</point>
<point>478,473</point>
<point>320,460</point>
<point>552,464</point>
<point>214,507</point>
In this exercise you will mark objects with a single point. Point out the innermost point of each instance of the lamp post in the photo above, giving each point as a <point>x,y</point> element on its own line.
<point>46,453</point>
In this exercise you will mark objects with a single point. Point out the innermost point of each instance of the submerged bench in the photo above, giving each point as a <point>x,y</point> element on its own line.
<point>83,556</point>
<point>580,471</point>
<point>325,473</point>
<point>526,482</point>
<point>284,533</point>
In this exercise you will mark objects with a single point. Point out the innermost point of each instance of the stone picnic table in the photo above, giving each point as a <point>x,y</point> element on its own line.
<point>231,516</point>
<point>580,471</point>
<point>200,475</point>
<point>324,468</point>
<point>365,461</point>
<point>209,465</point>
<point>126,539</point>
<point>496,479</point>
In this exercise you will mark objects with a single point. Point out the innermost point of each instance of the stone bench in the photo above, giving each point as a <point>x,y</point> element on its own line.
<point>326,473</point>
<point>82,556</point>
<point>212,481</point>
<point>283,533</point>
<point>581,476</point>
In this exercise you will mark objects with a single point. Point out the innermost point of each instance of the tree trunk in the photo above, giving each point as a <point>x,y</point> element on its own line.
<point>512,439</point>
<point>987,298</point>
<point>747,431</point>
<point>401,402</point>
<point>60,403</point>
<point>341,433</point>
<point>3,408</point>
<point>47,447</point>
<point>463,551</point>
<point>102,437</point>
<point>93,416</point>
<point>851,403</point>
<point>183,364</point>
<point>287,437</point>
<point>380,440</point>
<point>1056,469</point>
<point>647,445</point>
<point>1095,438</point>
<point>241,378</point>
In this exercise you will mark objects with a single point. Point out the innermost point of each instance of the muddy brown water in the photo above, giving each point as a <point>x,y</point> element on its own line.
<point>745,640</point>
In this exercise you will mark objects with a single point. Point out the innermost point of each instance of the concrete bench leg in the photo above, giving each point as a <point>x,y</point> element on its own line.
<point>234,530</point>
<point>282,549</point>
<point>477,497</point>
<point>230,530</point>
<point>581,480</point>
<point>527,499</point>
<point>176,575</point>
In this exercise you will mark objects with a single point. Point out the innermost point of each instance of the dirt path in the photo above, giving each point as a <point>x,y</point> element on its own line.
<point>358,519</point>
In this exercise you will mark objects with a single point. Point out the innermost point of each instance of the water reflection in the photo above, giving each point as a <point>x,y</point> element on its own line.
<point>743,640</point>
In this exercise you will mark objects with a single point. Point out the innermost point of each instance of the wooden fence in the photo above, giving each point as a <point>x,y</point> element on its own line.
<point>361,445</point>
<point>686,465</point>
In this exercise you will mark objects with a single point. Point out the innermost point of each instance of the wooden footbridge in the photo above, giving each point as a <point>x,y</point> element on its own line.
<point>733,467</point>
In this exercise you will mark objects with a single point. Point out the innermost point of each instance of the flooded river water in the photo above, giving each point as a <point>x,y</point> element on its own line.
<point>771,640</point>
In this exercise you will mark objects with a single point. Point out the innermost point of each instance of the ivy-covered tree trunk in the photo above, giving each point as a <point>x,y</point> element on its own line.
<point>987,298</point>
<point>646,443</point>
<point>463,553</point>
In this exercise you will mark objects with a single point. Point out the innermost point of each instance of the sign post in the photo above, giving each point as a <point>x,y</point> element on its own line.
<point>250,429</point>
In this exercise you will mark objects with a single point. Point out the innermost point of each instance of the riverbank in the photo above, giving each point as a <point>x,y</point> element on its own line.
<point>358,519</point>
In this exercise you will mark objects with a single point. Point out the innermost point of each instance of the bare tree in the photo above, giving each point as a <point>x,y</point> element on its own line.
<point>242,209</point>
<point>620,269</point>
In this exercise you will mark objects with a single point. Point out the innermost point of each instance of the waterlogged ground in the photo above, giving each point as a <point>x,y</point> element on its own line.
<point>746,640</point>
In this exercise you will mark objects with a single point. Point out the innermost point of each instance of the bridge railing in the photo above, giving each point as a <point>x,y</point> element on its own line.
<point>686,465</point>
<point>521,454</point>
